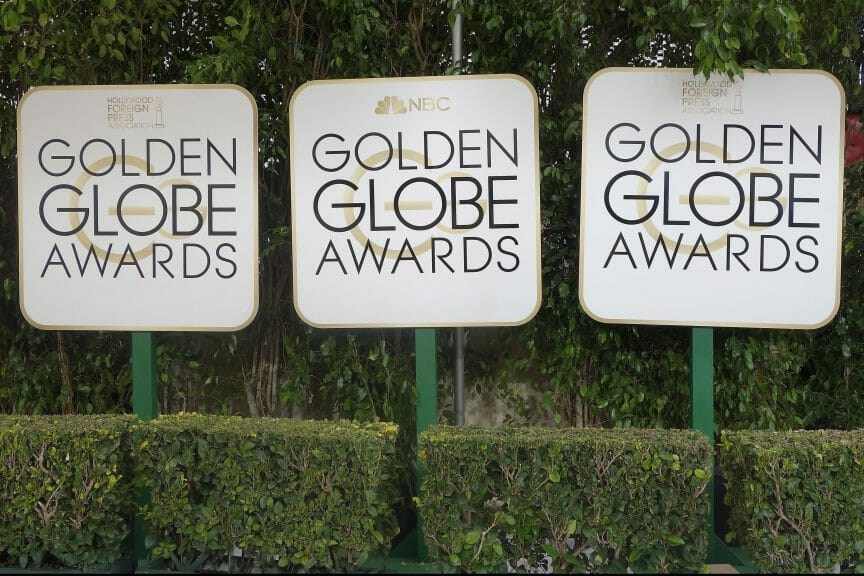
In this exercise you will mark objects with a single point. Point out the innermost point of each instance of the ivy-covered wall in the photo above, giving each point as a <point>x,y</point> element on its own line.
<point>580,372</point>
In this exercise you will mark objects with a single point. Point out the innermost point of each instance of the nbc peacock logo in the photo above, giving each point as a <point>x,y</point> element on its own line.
<point>391,105</point>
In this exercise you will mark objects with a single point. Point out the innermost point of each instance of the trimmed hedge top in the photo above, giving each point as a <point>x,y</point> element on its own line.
<point>584,500</point>
<point>241,426</point>
<point>687,440</point>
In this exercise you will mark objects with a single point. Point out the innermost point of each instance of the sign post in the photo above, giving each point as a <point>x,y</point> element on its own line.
<point>138,211</point>
<point>702,390</point>
<point>145,406</point>
<point>144,376</point>
<point>427,407</point>
<point>416,204</point>
<point>714,202</point>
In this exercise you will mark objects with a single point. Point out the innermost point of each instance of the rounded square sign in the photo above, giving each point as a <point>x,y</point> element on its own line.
<point>138,207</point>
<point>712,202</point>
<point>416,201</point>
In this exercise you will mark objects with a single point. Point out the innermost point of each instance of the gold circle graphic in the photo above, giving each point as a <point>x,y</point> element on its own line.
<point>75,219</point>
<point>358,173</point>
<point>651,167</point>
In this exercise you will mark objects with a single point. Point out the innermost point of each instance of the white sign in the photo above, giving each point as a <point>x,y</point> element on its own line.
<point>713,202</point>
<point>138,207</point>
<point>416,201</point>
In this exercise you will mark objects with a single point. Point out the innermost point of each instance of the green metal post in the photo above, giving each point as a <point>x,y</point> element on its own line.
<point>702,407</point>
<point>144,400</point>
<point>702,380</point>
<point>145,406</point>
<point>427,407</point>
<point>702,413</point>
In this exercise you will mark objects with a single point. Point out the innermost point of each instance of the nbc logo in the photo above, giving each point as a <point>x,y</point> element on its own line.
<point>391,105</point>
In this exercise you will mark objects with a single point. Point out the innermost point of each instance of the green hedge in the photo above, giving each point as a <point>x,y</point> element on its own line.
<point>287,493</point>
<point>66,496</point>
<point>797,498</point>
<point>594,500</point>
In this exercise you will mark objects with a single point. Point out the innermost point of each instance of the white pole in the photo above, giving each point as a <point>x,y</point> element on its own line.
<point>457,36</point>
<point>459,380</point>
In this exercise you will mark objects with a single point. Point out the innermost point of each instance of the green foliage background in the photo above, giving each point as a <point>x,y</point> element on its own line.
<point>585,373</point>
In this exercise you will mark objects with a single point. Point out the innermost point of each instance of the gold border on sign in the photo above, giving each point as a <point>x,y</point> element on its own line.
<point>255,249</point>
<point>698,322</point>
<point>536,150</point>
